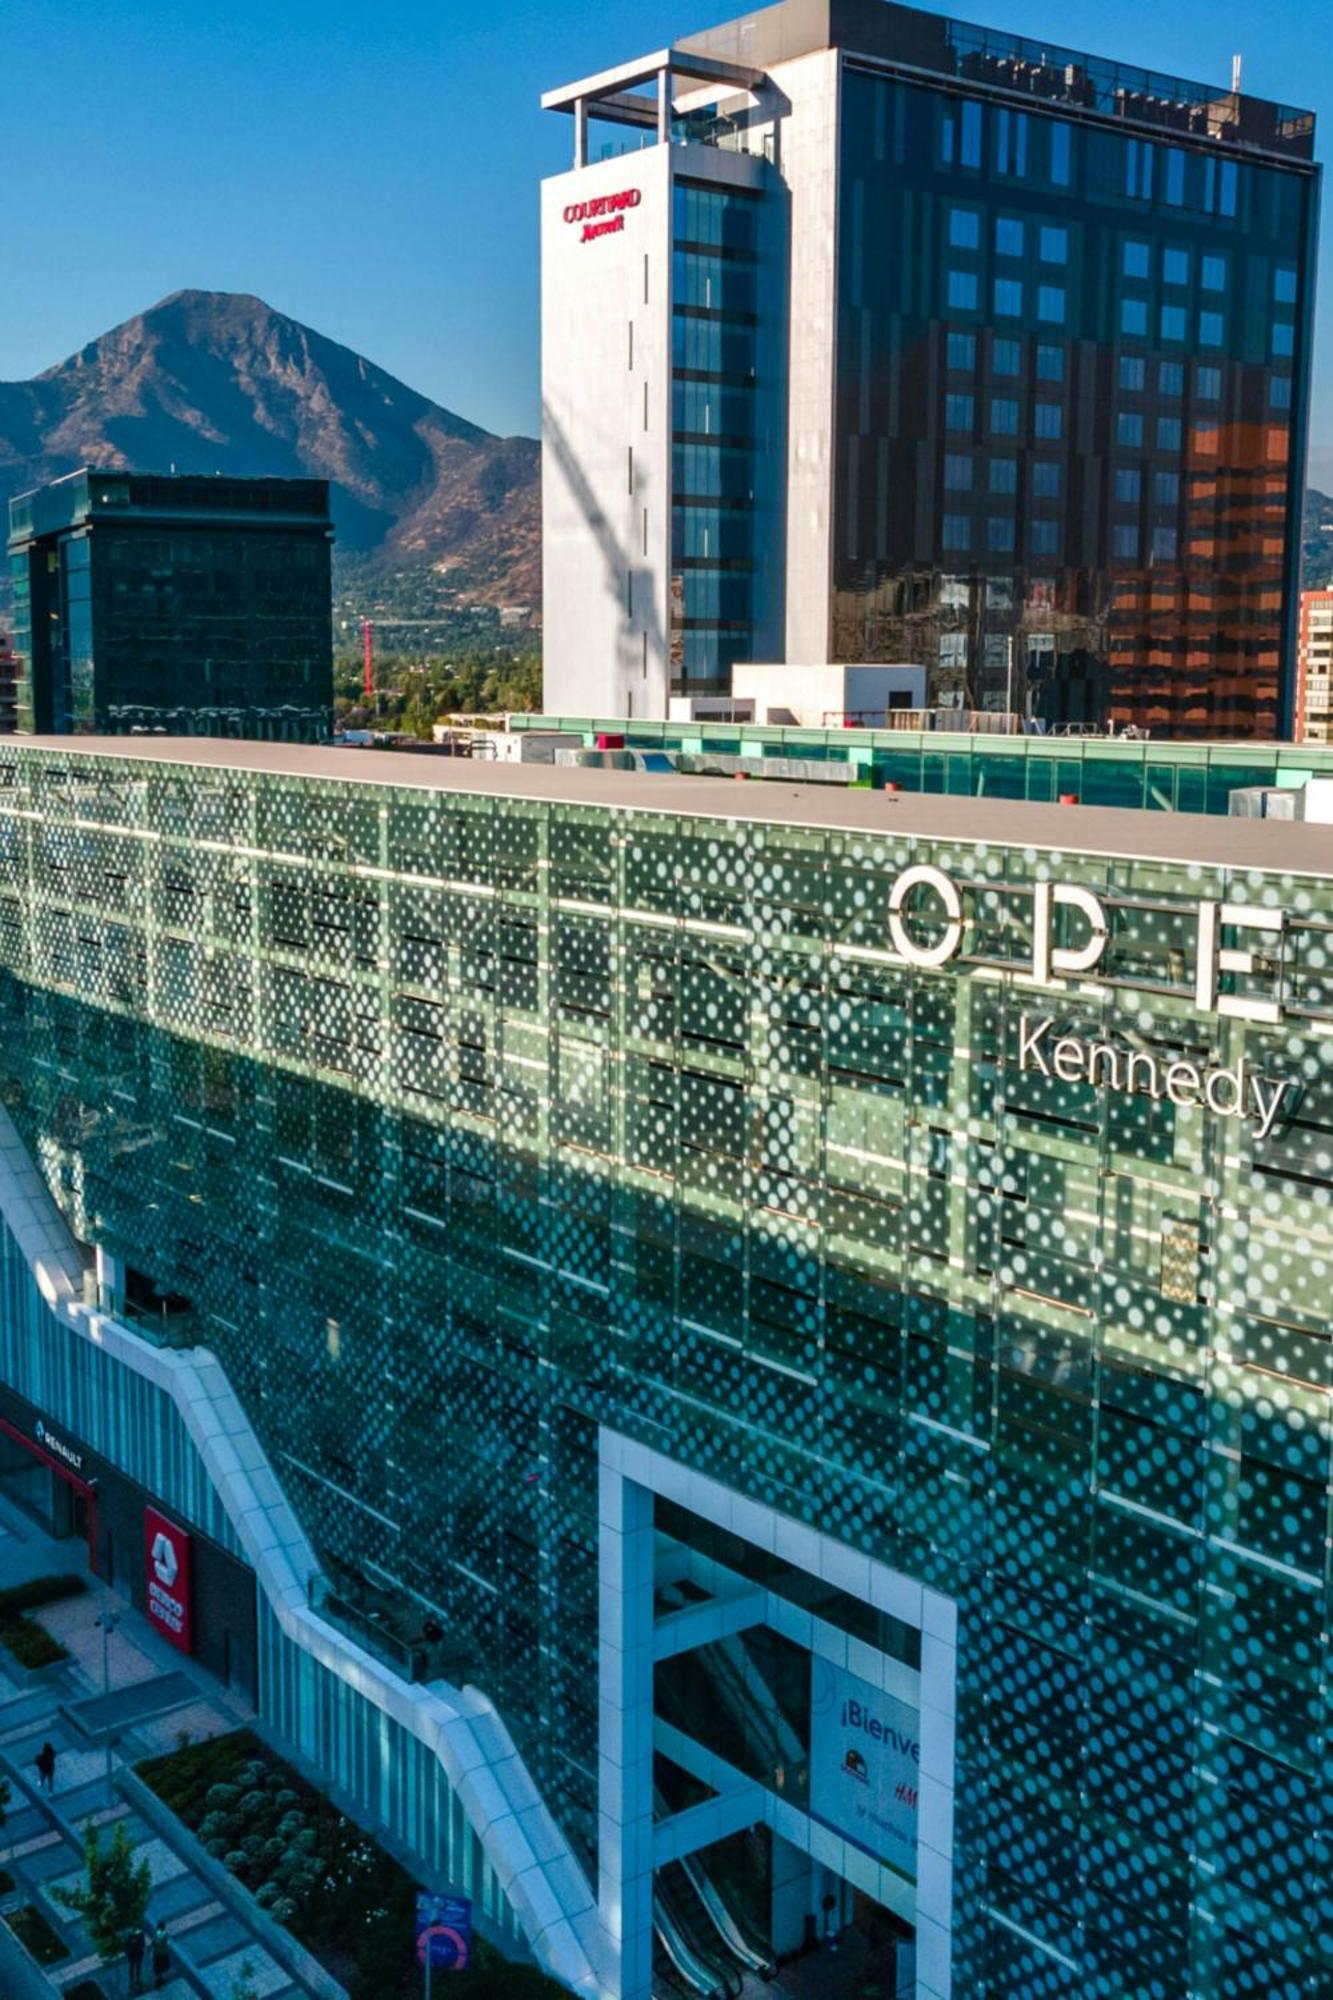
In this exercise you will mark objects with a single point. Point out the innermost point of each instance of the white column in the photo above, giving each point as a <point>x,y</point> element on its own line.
<point>625,1754</point>
<point>664,107</point>
<point>580,131</point>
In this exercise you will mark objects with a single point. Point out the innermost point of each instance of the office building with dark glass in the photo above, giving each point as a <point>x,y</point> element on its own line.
<point>920,343</point>
<point>190,605</point>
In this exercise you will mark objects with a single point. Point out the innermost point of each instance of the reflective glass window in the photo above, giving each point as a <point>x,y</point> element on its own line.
<point>957,533</point>
<point>958,413</point>
<point>963,352</point>
<point>1003,416</point>
<point>1009,297</point>
<point>1004,475</point>
<point>1046,479</point>
<point>1048,420</point>
<point>1133,315</point>
<point>1050,363</point>
<point>1176,266</point>
<point>1006,357</point>
<point>1210,329</point>
<point>963,290</point>
<point>1173,322</point>
<point>1284,284</point>
<point>1129,427</point>
<point>1171,378</point>
<point>1051,304</point>
<point>1213,274</point>
<point>964,228</point>
<point>1136,260</point>
<point>1054,244</point>
<point>1133,371</point>
<point>957,472</point>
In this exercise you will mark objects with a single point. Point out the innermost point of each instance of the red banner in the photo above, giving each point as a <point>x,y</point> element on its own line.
<point>167,1563</point>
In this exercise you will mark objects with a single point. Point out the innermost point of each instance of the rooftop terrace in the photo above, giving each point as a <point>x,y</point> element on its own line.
<point>910,38</point>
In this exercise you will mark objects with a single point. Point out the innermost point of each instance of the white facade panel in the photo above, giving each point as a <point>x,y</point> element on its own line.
<point>807,155</point>
<point>606,436</point>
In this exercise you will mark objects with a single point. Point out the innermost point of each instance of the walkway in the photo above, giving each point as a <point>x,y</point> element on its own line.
<point>42,1839</point>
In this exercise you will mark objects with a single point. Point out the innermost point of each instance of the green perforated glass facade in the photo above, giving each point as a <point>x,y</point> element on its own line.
<point>464,1121</point>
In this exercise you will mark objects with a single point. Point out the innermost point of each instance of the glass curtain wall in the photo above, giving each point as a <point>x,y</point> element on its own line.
<point>1068,406</point>
<point>714,328</point>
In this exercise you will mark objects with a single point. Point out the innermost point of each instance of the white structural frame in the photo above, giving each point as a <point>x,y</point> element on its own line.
<point>631,1641</point>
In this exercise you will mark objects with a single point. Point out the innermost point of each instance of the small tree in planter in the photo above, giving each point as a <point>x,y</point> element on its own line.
<point>114,1899</point>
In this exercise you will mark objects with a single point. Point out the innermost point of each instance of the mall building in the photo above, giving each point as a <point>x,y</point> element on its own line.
<point>872,337</point>
<point>746,1367</point>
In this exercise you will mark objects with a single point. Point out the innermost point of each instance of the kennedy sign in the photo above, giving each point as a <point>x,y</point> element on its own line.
<point>927,925</point>
<point>604,214</point>
<point>167,1560</point>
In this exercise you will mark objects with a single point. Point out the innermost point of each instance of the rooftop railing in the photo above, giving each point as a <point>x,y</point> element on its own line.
<point>1120,90</point>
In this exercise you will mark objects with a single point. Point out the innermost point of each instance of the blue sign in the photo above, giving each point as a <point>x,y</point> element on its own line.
<point>444,1932</point>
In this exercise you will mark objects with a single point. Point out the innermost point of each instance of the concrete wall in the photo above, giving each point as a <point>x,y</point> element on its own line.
<point>606,440</point>
<point>807,159</point>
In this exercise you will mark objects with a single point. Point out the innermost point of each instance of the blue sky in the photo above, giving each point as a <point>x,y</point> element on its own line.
<point>370,166</point>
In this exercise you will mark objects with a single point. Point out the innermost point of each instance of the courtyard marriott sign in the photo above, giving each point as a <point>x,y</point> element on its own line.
<point>933,899</point>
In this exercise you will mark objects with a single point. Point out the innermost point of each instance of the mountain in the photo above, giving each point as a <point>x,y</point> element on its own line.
<point>220,382</point>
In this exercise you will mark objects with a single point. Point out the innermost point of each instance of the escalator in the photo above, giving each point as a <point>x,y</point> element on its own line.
<point>723,1919</point>
<point>681,1928</point>
<point>698,1929</point>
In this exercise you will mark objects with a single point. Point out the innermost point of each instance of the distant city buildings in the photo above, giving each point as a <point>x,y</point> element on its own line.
<point>1314,683</point>
<point>915,343</point>
<point>9,664</point>
<point>190,606</point>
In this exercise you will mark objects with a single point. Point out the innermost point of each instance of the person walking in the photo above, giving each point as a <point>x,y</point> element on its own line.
<point>134,1951</point>
<point>161,1953</point>
<point>45,1761</point>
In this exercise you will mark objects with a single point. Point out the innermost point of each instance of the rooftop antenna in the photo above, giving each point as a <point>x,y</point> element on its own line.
<point>1235,76</point>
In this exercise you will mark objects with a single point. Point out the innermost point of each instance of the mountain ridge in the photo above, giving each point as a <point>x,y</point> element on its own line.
<point>223,382</point>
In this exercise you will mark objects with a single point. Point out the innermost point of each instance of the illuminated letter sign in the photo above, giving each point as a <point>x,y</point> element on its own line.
<point>947,944</point>
<point>1214,958</point>
<point>167,1563</point>
<point>604,214</point>
<point>1052,964</point>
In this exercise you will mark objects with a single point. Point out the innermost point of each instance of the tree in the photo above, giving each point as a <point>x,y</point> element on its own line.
<point>114,1899</point>
<point>243,1984</point>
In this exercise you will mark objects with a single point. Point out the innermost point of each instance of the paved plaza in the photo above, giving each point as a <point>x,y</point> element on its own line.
<point>153,1701</point>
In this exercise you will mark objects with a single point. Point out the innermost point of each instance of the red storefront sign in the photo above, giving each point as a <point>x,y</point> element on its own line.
<point>167,1563</point>
<point>604,215</point>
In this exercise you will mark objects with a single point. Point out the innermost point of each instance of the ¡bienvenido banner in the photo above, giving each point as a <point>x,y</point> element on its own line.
<point>865,1758</point>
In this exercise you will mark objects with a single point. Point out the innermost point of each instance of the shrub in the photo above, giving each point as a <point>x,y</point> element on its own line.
<point>316,1871</point>
<point>40,1591</point>
<point>31,1929</point>
<point>30,1645</point>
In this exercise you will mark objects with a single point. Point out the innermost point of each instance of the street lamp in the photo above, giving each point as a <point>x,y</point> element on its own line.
<point>107,1621</point>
